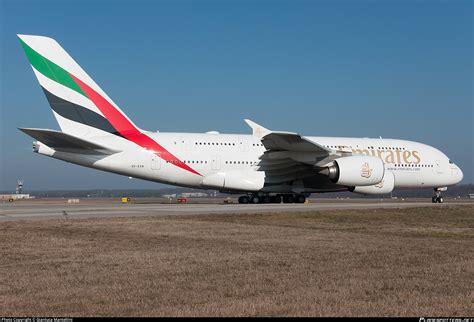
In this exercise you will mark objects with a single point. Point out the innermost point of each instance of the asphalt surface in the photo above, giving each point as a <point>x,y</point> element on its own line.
<point>96,208</point>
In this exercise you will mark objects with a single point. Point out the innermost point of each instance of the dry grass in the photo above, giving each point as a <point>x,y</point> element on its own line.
<point>392,262</point>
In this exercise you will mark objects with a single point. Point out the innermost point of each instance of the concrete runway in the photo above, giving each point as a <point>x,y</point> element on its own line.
<point>96,208</point>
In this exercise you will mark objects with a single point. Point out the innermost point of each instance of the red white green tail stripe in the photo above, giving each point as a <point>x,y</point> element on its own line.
<point>75,97</point>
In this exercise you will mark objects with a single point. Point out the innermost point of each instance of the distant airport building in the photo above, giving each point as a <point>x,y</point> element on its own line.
<point>18,194</point>
<point>193,195</point>
<point>187,195</point>
<point>15,196</point>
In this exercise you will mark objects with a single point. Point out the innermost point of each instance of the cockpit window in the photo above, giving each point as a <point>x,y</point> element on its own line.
<point>451,162</point>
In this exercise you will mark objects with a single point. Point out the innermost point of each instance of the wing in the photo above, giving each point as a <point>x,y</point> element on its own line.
<point>288,141</point>
<point>291,159</point>
<point>63,142</point>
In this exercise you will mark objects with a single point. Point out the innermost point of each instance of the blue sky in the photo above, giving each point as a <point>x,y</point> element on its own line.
<point>398,69</point>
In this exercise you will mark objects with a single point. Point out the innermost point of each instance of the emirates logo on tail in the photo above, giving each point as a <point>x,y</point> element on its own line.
<point>365,171</point>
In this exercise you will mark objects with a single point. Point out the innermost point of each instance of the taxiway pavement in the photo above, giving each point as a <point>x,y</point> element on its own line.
<point>90,208</point>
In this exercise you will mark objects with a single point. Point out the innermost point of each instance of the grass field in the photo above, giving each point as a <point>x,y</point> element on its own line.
<point>395,262</point>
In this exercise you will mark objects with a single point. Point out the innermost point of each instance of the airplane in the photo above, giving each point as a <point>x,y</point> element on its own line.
<point>266,166</point>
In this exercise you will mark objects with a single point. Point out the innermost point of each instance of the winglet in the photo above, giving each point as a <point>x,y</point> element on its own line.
<point>257,130</point>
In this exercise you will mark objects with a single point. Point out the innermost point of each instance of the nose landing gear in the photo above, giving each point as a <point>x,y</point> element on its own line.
<point>438,198</point>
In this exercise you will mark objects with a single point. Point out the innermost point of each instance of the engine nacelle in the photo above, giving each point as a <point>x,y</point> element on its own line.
<point>41,148</point>
<point>385,186</point>
<point>356,170</point>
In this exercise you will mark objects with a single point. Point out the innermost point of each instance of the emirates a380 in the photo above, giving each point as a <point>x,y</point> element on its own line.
<point>264,167</point>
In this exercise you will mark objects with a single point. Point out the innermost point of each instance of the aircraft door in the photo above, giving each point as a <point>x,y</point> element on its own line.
<point>243,145</point>
<point>155,162</point>
<point>185,143</point>
<point>439,168</point>
<point>216,162</point>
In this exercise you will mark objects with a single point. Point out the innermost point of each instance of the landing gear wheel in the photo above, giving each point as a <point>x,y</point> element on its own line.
<point>438,198</point>
<point>276,199</point>
<point>254,199</point>
<point>288,199</point>
<point>243,199</point>
<point>266,199</point>
<point>300,199</point>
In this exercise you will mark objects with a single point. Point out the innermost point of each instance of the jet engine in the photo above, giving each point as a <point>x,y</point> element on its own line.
<point>42,148</point>
<point>385,186</point>
<point>356,170</point>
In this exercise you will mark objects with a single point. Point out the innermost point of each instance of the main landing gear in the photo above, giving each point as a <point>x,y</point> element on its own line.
<point>438,198</point>
<point>287,198</point>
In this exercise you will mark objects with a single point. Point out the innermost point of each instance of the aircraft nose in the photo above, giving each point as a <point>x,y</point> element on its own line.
<point>459,174</point>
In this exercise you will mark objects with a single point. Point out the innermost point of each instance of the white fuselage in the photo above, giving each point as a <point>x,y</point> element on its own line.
<point>414,165</point>
<point>96,133</point>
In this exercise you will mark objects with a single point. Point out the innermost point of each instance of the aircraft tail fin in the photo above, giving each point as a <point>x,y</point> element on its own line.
<point>80,106</point>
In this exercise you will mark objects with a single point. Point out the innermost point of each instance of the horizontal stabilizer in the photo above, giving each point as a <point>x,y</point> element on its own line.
<point>63,142</point>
